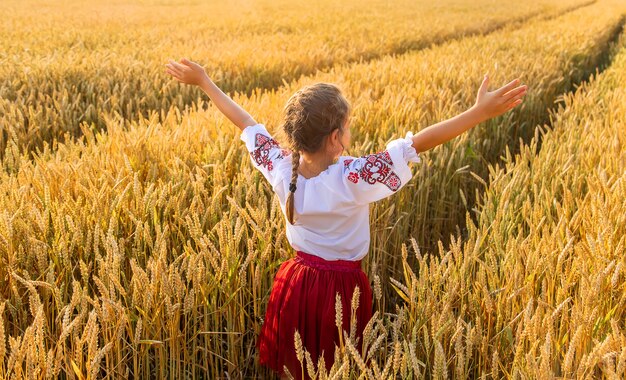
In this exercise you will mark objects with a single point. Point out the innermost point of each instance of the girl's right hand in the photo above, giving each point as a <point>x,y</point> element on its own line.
<point>495,103</point>
<point>187,72</point>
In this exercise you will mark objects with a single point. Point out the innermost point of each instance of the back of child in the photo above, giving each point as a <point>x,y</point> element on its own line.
<point>326,206</point>
<point>327,220</point>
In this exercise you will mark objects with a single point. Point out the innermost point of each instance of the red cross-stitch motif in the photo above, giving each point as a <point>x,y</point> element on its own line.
<point>354,177</point>
<point>377,168</point>
<point>393,182</point>
<point>263,145</point>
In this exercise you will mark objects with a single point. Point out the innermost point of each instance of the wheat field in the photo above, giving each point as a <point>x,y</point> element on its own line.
<point>137,240</point>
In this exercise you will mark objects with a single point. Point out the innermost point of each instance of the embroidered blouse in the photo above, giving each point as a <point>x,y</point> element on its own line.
<point>332,208</point>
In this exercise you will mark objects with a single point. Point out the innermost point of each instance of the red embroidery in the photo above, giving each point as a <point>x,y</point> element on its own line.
<point>393,182</point>
<point>347,162</point>
<point>263,145</point>
<point>354,177</point>
<point>377,168</point>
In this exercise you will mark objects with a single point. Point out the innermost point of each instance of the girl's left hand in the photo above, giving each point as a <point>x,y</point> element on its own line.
<point>495,103</point>
<point>187,72</point>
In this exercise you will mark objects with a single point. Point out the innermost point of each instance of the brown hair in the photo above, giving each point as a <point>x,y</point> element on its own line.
<point>311,114</point>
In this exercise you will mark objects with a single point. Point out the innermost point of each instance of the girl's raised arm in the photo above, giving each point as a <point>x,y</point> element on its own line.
<point>192,73</point>
<point>488,105</point>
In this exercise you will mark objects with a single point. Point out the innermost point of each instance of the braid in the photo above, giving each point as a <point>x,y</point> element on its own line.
<point>295,162</point>
<point>310,115</point>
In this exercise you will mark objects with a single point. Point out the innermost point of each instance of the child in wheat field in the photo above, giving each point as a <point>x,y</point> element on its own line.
<point>325,197</point>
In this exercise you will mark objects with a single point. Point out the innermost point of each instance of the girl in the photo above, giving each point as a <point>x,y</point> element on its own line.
<point>325,198</point>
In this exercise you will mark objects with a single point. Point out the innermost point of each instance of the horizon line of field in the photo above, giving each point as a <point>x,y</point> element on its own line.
<point>395,52</point>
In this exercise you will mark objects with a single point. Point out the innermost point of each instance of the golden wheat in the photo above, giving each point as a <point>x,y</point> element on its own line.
<point>108,59</point>
<point>148,249</point>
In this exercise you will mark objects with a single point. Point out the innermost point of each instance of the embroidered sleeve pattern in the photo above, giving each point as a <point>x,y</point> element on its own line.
<point>372,177</point>
<point>265,152</point>
<point>375,168</point>
<point>264,146</point>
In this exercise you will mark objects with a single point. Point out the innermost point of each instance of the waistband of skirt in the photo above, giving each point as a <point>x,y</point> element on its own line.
<point>321,263</point>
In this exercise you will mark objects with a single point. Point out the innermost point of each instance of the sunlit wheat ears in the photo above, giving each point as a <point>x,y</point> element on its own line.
<point>173,239</point>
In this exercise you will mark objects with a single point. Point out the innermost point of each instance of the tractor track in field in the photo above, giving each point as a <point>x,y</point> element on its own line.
<point>603,61</point>
<point>417,45</point>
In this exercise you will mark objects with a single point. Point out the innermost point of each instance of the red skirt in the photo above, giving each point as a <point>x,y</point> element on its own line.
<point>303,298</point>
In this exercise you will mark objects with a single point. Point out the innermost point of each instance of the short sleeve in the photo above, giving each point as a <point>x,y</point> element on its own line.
<point>372,177</point>
<point>265,153</point>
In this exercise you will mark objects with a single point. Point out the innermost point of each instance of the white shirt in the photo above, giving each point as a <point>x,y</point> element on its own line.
<point>332,208</point>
